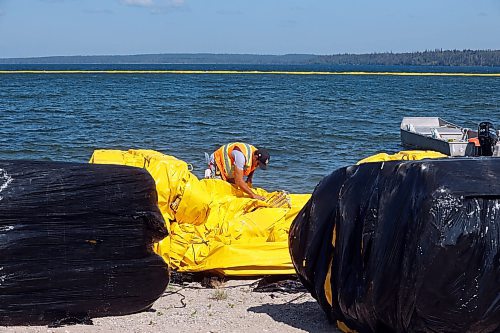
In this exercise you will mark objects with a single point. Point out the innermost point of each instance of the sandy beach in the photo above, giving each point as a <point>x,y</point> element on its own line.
<point>227,306</point>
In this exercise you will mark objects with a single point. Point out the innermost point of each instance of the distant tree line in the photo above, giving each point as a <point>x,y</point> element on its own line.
<point>425,58</point>
<point>169,58</point>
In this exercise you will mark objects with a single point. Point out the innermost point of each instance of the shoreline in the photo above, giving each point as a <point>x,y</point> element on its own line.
<point>232,306</point>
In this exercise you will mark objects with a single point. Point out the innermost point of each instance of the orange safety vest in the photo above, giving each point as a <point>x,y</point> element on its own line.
<point>475,141</point>
<point>225,161</point>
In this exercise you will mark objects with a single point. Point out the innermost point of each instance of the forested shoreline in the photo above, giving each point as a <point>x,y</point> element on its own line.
<point>425,58</point>
<point>490,58</point>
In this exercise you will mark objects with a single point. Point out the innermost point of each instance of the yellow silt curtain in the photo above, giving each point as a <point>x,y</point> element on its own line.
<point>404,155</point>
<point>212,225</point>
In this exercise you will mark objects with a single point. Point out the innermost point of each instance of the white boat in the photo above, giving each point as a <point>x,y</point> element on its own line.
<point>434,133</point>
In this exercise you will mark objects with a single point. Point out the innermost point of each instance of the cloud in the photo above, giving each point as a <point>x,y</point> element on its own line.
<point>154,3</point>
<point>156,6</point>
<point>139,3</point>
<point>177,2</point>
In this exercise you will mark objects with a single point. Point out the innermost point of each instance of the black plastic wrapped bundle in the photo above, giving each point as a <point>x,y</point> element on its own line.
<point>405,246</point>
<point>76,241</point>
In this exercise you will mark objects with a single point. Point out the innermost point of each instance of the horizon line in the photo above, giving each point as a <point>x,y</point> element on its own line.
<point>250,54</point>
<point>243,72</point>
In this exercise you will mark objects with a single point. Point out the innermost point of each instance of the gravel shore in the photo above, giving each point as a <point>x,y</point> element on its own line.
<point>232,306</point>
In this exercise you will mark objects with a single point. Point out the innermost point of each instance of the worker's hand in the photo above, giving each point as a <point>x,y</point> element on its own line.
<point>208,173</point>
<point>259,197</point>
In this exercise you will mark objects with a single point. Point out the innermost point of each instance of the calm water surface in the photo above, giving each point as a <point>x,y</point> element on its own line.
<point>311,124</point>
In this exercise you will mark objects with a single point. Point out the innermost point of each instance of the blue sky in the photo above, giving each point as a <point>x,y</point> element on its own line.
<point>30,28</point>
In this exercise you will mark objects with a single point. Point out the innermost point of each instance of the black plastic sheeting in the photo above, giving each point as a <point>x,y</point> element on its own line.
<point>76,241</point>
<point>417,245</point>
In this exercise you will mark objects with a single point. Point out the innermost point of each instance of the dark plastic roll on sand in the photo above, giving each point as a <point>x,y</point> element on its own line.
<point>76,241</point>
<point>405,246</point>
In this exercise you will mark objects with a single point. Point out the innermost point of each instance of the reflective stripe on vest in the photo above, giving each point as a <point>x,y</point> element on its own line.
<point>225,162</point>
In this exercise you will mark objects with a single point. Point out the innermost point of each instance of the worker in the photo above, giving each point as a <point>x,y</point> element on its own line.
<point>233,161</point>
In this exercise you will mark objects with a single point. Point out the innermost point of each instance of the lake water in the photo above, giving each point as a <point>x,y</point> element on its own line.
<point>311,124</point>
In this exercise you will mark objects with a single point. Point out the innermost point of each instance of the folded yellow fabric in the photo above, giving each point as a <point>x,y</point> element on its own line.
<point>405,155</point>
<point>212,225</point>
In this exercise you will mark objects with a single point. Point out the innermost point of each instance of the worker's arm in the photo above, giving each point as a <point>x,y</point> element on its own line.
<point>249,179</point>
<point>238,180</point>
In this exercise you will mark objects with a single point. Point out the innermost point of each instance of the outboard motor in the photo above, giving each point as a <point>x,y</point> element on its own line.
<point>487,138</point>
